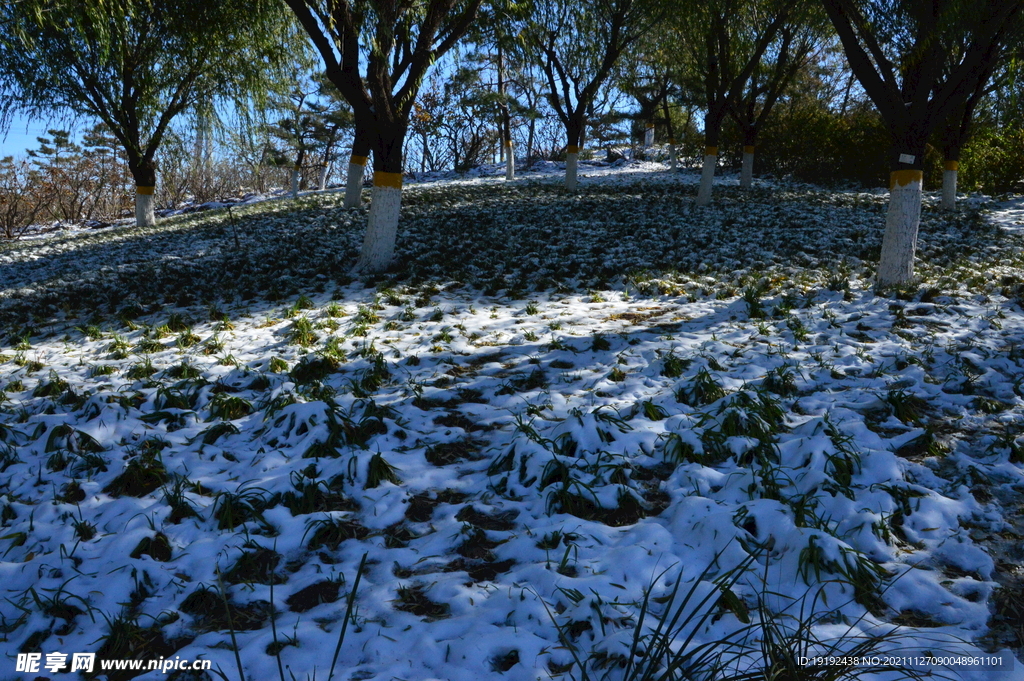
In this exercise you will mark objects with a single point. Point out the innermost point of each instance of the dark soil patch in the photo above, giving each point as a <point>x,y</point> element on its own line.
<point>414,599</point>
<point>255,567</point>
<point>501,522</point>
<point>480,571</point>
<point>206,606</point>
<point>447,453</point>
<point>421,506</point>
<point>313,595</point>
<point>454,419</point>
<point>628,512</point>
<point>398,536</point>
<point>478,547</point>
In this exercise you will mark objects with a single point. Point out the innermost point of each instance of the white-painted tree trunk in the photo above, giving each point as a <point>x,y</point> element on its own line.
<point>949,186</point>
<point>354,185</point>
<point>144,215</point>
<point>649,136</point>
<point>896,266</point>
<point>381,229</point>
<point>707,178</point>
<point>672,154</point>
<point>572,161</point>
<point>510,162</point>
<point>325,170</point>
<point>295,182</point>
<point>747,170</point>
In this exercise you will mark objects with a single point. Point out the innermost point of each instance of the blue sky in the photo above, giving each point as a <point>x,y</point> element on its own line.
<point>22,135</point>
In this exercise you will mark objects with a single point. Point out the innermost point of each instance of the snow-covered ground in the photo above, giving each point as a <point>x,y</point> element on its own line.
<point>558,405</point>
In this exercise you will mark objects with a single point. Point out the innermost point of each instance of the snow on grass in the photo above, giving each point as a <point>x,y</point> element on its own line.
<point>553,400</point>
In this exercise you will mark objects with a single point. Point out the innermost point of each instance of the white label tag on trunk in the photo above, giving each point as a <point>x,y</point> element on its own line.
<point>907,158</point>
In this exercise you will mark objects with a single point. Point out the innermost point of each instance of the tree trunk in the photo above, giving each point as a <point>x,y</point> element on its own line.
<point>530,140</point>
<point>572,155</point>
<point>649,136</point>
<point>572,160</point>
<point>712,130</point>
<point>296,173</point>
<point>385,202</point>
<point>354,181</point>
<point>707,175</point>
<point>505,123</point>
<point>144,173</point>
<point>949,185</point>
<point>949,172</point>
<point>325,169</point>
<point>896,266</point>
<point>144,215</point>
<point>510,162</point>
<point>747,171</point>
<point>671,135</point>
<point>357,168</point>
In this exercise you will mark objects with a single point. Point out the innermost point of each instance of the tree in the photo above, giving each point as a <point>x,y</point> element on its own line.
<point>647,78</point>
<point>295,129</point>
<point>401,41</point>
<point>577,45</point>
<point>724,44</point>
<point>898,49</point>
<point>135,64</point>
<point>792,48</point>
<point>331,119</point>
<point>497,32</point>
<point>22,197</point>
<point>955,134</point>
<point>957,129</point>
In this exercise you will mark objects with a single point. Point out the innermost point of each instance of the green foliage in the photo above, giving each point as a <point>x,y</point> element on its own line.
<point>813,143</point>
<point>993,161</point>
<point>379,470</point>
<point>136,65</point>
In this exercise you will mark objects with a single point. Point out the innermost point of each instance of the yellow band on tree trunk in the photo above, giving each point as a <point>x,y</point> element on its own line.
<point>572,149</point>
<point>711,151</point>
<point>904,177</point>
<point>508,144</point>
<point>298,167</point>
<point>382,179</point>
<point>650,126</point>
<point>748,149</point>
<point>671,140</point>
<point>952,165</point>
<point>145,191</point>
<point>358,160</point>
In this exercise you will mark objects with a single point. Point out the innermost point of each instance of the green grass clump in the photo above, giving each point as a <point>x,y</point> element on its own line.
<point>141,476</point>
<point>302,333</point>
<point>702,390</point>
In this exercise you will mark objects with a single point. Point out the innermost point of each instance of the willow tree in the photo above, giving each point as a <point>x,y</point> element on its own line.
<point>135,65</point>
<point>725,42</point>
<point>955,134</point>
<point>958,127</point>
<point>577,45</point>
<point>376,53</point>
<point>647,78</point>
<point>898,50</point>
<point>497,33</point>
<point>792,49</point>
